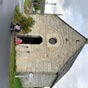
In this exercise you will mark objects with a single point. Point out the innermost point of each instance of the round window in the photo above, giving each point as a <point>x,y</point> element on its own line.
<point>52,40</point>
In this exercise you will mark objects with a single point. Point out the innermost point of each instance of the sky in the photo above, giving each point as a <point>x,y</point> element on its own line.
<point>74,13</point>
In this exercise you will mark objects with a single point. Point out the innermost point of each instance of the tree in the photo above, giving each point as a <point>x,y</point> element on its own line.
<point>37,4</point>
<point>26,23</point>
<point>27,6</point>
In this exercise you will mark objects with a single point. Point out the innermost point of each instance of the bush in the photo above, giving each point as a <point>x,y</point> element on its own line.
<point>26,23</point>
<point>37,4</point>
<point>27,6</point>
<point>17,15</point>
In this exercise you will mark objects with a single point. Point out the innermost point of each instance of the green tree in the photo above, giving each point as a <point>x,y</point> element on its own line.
<point>27,6</point>
<point>17,15</point>
<point>26,23</point>
<point>37,4</point>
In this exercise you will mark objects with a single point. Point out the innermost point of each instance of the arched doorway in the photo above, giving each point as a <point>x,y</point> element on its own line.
<point>31,39</point>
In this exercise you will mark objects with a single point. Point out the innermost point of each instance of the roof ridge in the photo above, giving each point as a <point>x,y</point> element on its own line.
<point>67,65</point>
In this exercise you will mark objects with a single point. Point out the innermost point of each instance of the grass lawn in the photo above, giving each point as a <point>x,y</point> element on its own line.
<point>17,83</point>
<point>13,82</point>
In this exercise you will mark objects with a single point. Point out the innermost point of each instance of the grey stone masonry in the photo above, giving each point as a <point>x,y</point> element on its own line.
<point>37,79</point>
<point>47,58</point>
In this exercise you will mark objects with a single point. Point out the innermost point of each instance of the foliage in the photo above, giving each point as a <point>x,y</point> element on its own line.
<point>27,5</point>
<point>30,4</point>
<point>26,23</point>
<point>17,15</point>
<point>37,4</point>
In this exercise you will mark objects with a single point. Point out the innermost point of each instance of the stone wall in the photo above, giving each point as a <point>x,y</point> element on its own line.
<point>47,58</point>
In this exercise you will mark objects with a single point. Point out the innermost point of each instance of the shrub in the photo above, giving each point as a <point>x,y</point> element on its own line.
<point>26,23</point>
<point>37,4</point>
<point>27,6</point>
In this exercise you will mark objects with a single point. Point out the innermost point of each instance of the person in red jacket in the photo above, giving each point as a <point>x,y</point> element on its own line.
<point>17,40</point>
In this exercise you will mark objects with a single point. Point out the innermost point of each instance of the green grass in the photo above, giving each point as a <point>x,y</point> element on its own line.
<point>12,65</point>
<point>13,82</point>
<point>17,83</point>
